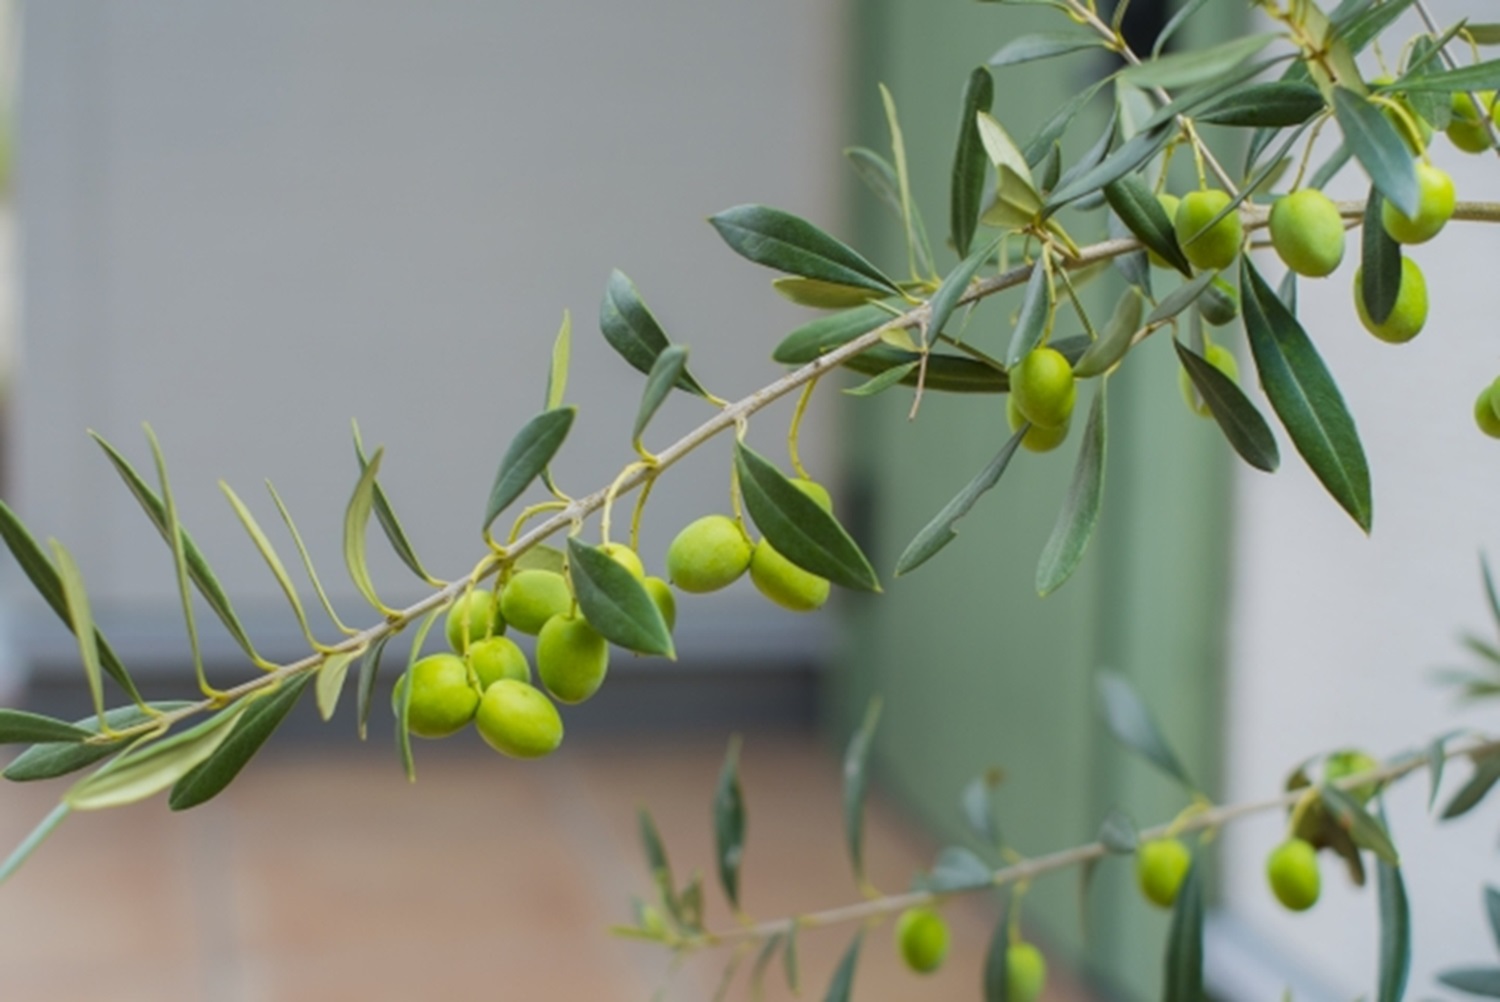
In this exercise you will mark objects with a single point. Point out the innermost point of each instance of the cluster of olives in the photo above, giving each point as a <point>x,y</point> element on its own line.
<point>715,551</point>
<point>922,940</point>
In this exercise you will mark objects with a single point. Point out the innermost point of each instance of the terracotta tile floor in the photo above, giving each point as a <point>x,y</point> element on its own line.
<point>324,876</point>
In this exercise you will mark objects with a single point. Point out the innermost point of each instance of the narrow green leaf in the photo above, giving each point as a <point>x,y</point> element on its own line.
<point>944,373</point>
<point>820,295</point>
<point>557,373</point>
<point>1118,833</point>
<point>1360,824</point>
<point>389,523</point>
<point>210,777</point>
<point>1379,264</point>
<point>841,988</point>
<point>856,786</point>
<point>1132,724</point>
<point>762,963</point>
<point>1437,757</point>
<point>657,863</point>
<point>331,681</point>
<point>526,457</point>
<point>956,869</point>
<point>1483,34</point>
<point>268,554</point>
<point>1184,69</point>
<point>1031,321</point>
<point>202,575</point>
<point>1492,910</point>
<point>1277,105</point>
<point>1043,45</point>
<point>615,602</point>
<point>1080,510</point>
<point>178,544</point>
<point>729,824</point>
<point>980,807</point>
<point>1093,156</point>
<point>885,380</point>
<point>21,727</point>
<point>82,620</point>
<point>939,532</point>
<point>788,243</point>
<point>306,557</point>
<point>1141,212</point>
<point>827,333</point>
<point>1395,933</point>
<point>1477,77</point>
<point>369,671</point>
<point>903,181</point>
<point>1124,160</point>
<point>1483,981</point>
<point>1183,977</point>
<point>1178,19</point>
<point>997,960</point>
<point>945,300</point>
<point>880,177</point>
<point>1243,426</point>
<point>51,759</point>
<point>356,519</point>
<point>152,766</point>
<point>1103,354</point>
<point>1490,594</point>
<point>789,960</point>
<point>1052,129</point>
<point>797,525</point>
<point>631,329</point>
<point>665,371</point>
<point>1305,397</point>
<point>966,185</point>
<point>38,835</point>
<point>1011,166</point>
<point>1486,775</point>
<point>1379,149</point>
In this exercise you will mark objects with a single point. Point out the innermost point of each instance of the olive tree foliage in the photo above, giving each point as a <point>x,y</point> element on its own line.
<point>1021,215</point>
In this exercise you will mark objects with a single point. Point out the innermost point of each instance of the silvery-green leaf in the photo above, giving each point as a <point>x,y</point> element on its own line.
<point>788,243</point>
<point>211,776</point>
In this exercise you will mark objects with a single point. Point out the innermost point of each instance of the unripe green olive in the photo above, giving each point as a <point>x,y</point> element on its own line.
<point>1308,232</point>
<point>1408,316</point>
<point>922,938</point>
<point>442,700</point>
<point>495,658</point>
<point>783,582</point>
<point>1220,358</point>
<point>1403,123</point>
<point>1220,303</point>
<point>473,617</point>
<point>1037,438</point>
<point>1467,128</point>
<point>816,491</point>
<point>626,558</point>
<point>709,554</point>
<point>1349,762</point>
<point>666,602</point>
<point>1292,869</point>
<point>1042,387</point>
<point>1435,202</point>
<point>1217,247</point>
<point>1160,867</point>
<point>1169,206</point>
<point>531,597</point>
<point>1025,972</point>
<point>516,719</point>
<point>571,658</point>
<point>1486,416</point>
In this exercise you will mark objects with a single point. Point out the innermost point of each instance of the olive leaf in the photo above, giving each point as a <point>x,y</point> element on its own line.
<point>526,458</point>
<point>1243,426</point>
<point>22,727</point>
<point>1079,513</point>
<point>1183,977</point>
<point>966,186</point>
<point>665,372</point>
<point>631,329</point>
<point>729,823</point>
<point>50,759</point>
<point>1133,725</point>
<point>1379,264</point>
<point>615,603</point>
<point>939,532</point>
<point>787,243</point>
<point>1379,149</point>
<point>211,776</point>
<point>386,516</point>
<point>856,785</point>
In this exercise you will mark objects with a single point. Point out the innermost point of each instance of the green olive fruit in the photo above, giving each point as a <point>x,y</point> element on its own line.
<point>1160,867</point>
<point>1025,972</point>
<point>472,617</point>
<point>1292,869</point>
<point>516,719</point>
<point>922,938</point>
<point>816,491</point>
<point>1485,414</point>
<point>1436,198</point>
<point>708,554</point>
<point>666,602</point>
<point>1408,316</point>
<point>1418,143</point>
<point>494,658</point>
<point>1037,438</point>
<point>1308,232</point>
<point>1169,206</point>
<point>571,658</point>
<point>1220,358</point>
<point>1218,246</point>
<point>1042,386</point>
<point>1467,129</point>
<point>626,558</point>
<point>1349,762</point>
<point>531,597</point>
<point>1220,303</point>
<point>783,582</point>
<point>442,700</point>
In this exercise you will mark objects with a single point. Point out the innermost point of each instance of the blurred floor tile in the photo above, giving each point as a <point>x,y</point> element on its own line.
<point>327,877</point>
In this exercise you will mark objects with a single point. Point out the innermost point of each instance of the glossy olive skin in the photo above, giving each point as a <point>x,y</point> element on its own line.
<point>1408,316</point>
<point>473,617</point>
<point>1037,438</point>
<point>571,658</point>
<point>516,719</point>
<point>1042,387</point>
<point>1215,248</point>
<point>1436,200</point>
<point>1160,867</point>
<point>784,583</point>
<point>1026,972</point>
<point>531,597</point>
<point>922,938</point>
<point>495,658</point>
<point>1308,233</point>
<point>626,558</point>
<point>1292,869</point>
<point>1467,129</point>
<point>666,602</point>
<point>1486,415</point>
<point>709,554</point>
<point>443,700</point>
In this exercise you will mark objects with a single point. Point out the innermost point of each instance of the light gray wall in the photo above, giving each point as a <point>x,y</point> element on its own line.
<point>247,223</point>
